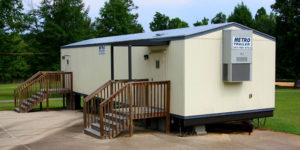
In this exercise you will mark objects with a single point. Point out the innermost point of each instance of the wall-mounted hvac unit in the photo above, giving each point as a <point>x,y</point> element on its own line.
<point>237,55</point>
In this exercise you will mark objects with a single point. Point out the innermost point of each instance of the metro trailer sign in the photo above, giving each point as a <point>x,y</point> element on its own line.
<point>241,42</point>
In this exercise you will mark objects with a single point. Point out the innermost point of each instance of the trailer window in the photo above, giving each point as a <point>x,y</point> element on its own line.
<point>157,64</point>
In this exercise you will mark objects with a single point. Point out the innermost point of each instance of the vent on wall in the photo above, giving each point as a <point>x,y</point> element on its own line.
<point>241,59</point>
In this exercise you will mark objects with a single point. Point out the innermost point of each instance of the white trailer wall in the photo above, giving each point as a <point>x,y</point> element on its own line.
<point>205,91</point>
<point>91,70</point>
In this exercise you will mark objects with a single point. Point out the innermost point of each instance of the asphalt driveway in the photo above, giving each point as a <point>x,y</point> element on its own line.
<point>63,130</point>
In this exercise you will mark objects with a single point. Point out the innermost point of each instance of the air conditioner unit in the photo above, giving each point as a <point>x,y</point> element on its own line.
<point>237,55</point>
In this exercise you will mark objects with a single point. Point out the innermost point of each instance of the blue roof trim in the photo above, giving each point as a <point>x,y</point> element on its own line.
<point>222,114</point>
<point>167,35</point>
<point>231,25</point>
<point>255,31</point>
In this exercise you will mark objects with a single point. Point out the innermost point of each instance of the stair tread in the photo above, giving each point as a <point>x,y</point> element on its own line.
<point>23,106</point>
<point>106,128</point>
<point>27,103</point>
<point>120,117</point>
<point>32,100</point>
<point>40,93</point>
<point>36,96</point>
<point>92,132</point>
<point>17,109</point>
<point>110,122</point>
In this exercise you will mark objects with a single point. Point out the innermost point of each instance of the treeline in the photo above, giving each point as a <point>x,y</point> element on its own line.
<point>31,41</point>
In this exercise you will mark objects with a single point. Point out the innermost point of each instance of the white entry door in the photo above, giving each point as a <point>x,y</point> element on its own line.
<point>67,63</point>
<point>157,66</point>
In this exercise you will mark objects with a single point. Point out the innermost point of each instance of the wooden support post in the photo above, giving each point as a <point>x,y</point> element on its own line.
<point>64,100</point>
<point>112,62</point>
<point>129,63</point>
<point>41,105</point>
<point>168,108</point>
<point>130,111</point>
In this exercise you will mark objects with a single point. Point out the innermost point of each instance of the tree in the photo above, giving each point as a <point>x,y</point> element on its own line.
<point>242,15</point>
<point>265,23</point>
<point>288,35</point>
<point>219,18</point>
<point>116,18</point>
<point>203,22</point>
<point>11,42</point>
<point>160,22</point>
<point>163,22</point>
<point>62,22</point>
<point>11,16</point>
<point>177,23</point>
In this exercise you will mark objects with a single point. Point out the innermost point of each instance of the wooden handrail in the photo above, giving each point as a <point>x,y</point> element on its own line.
<point>89,97</point>
<point>92,102</point>
<point>29,79</point>
<point>135,100</point>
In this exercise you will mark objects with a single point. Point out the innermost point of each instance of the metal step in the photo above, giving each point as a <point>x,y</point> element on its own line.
<point>17,109</point>
<point>36,97</point>
<point>92,132</point>
<point>114,123</point>
<point>23,107</point>
<point>116,116</point>
<point>27,103</point>
<point>40,93</point>
<point>96,126</point>
<point>31,100</point>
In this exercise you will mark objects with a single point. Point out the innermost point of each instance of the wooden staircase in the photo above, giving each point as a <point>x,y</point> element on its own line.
<point>38,88</point>
<point>111,127</point>
<point>112,108</point>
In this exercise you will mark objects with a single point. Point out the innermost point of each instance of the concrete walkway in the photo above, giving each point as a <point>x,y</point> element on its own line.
<point>63,130</point>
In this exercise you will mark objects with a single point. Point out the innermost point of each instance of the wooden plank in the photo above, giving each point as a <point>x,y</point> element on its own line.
<point>130,111</point>
<point>168,110</point>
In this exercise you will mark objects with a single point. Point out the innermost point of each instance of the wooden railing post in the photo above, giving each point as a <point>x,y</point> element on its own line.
<point>47,93</point>
<point>84,115</point>
<point>20,102</point>
<point>168,108</point>
<point>15,98</point>
<point>130,110</point>
<point>101,122</point>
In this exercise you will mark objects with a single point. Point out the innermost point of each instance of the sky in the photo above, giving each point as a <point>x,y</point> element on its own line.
<point>187,10</point>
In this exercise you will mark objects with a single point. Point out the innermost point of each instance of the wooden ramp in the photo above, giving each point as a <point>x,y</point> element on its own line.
<point>38,88</point>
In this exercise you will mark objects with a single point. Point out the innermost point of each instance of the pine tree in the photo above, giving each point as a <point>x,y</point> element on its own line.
<point>116,18</point>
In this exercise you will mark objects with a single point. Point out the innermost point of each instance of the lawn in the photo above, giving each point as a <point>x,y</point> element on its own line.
<point>7,91</point>
<point>287,112</point>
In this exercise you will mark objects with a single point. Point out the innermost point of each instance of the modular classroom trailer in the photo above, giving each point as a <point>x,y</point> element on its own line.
<point>216,73</point>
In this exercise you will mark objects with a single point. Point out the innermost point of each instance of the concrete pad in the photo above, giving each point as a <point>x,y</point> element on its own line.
<point>64,130</point>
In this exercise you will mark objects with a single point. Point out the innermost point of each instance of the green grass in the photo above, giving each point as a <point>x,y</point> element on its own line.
<point>7,91</point>
<point>7,106</point>
<point>287,112</point>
